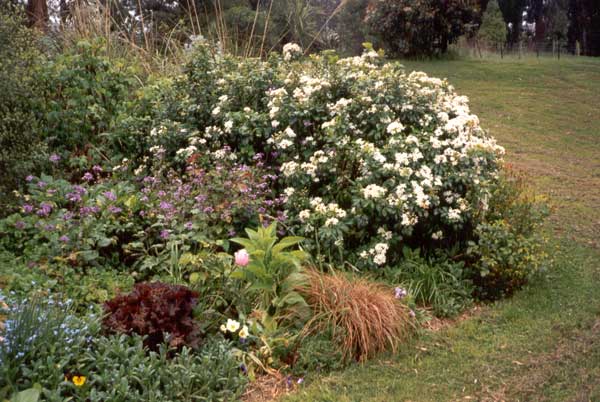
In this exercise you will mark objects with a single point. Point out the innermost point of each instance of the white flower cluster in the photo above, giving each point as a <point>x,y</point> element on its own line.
<point>378,253</point>
<point>291,50</point>
<point>388,149</point>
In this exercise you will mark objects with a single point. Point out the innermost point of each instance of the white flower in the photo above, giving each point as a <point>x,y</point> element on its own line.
<point>243,334</point>
<point>290,50</point>
<point>289,132</point>
<point>386,234</point>
<point>216,111</point>
<point>373,191</point>
<point>437,235</point>
<point>379,157</point>
<point>228,126</point>
<point>186,152</point>
<point>395,127</point>
<point>304,215</point>
<point>289,168</point>
<point>274,123</point>
<point>283,144</point>
<point>409,219</point>
<point>331,222</point>
<point>232,325</point>
<point>220,154</point>
<point>454,214</point>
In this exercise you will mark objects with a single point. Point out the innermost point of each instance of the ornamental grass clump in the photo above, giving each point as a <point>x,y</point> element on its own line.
<point>364,317</point>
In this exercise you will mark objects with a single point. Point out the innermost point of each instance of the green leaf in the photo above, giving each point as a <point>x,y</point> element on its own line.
<point>29,395</point>
<point>248,244</point>
<point>287,242</point>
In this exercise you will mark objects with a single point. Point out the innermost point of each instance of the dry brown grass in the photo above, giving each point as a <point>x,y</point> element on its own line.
<point>364,317</point>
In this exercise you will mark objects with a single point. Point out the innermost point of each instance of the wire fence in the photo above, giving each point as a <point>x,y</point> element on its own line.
<point>526,48</point>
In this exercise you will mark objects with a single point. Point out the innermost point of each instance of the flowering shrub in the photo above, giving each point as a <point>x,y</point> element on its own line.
<point>155,310</point>
<point>78,222</point>
<point>105,217</point>
<point>370,157</point>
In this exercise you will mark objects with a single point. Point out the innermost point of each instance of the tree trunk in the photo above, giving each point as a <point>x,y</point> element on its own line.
<point>37,14</point>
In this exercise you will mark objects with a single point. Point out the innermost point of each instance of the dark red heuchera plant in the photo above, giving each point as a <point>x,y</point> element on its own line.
<point>155,309</point>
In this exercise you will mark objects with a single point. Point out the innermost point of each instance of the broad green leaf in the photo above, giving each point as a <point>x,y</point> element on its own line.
<point>29,395</point>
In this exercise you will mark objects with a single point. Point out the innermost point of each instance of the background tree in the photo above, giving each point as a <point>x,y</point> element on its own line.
<point>493,28</point>
<point>584,26</point>
<point>512,11</point>
<point>419,27</point>
<point>37,14</point>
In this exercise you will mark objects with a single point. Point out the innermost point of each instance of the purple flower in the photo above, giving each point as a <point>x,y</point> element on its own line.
<point>113,209</point>
<point>87,211</point>
<point>110,195</point>
<point>27,208</point>
<point>97,168</point>
<point>188,225</point>
<point>165,205</point>
<point>243,368</point>
<point>20,225</point>
<point>54,158</point>
<point>412,313</point>
<point>49,227</point>
<point>74,197</point>
<point>29,178</point>
<point>64,238</point>
<point>45,209</point>
<point>68,216</point>
<point>87,176</point>
<point>399,293</point>
<point>300,380</point>
<point>164,234</point>
<point>41,184</point>
<point>231,233</point>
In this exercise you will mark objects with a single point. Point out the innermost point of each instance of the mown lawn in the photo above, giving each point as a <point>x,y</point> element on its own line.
<point>544,343</point>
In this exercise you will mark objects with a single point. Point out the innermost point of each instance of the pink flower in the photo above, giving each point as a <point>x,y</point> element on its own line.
<point>242,257</point>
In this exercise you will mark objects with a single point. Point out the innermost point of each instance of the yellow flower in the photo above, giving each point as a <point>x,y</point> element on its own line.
<point>79,380</point>
<point>223,328</point>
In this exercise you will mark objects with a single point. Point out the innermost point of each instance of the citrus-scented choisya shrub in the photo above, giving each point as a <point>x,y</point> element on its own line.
<point>369,157</point>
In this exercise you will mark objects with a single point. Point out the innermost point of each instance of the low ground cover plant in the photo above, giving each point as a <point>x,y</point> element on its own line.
<point>247,216</point>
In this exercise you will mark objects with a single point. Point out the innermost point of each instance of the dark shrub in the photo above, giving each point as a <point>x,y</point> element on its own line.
<point>154,310</point>
<point>21,148</point>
